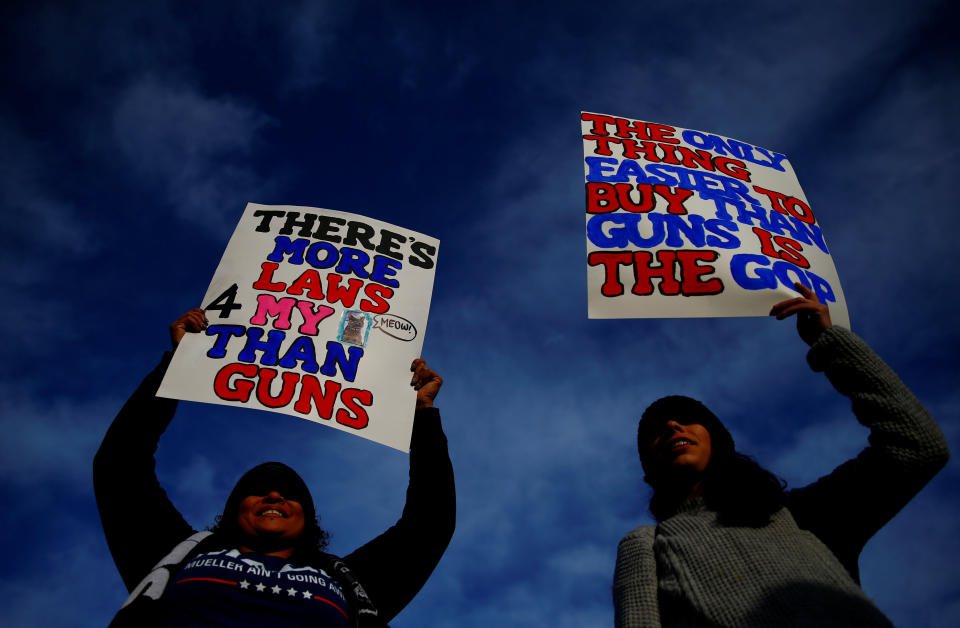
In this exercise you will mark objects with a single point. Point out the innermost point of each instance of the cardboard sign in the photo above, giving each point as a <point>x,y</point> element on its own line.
<point>314,313</point>
<point>682,223</point>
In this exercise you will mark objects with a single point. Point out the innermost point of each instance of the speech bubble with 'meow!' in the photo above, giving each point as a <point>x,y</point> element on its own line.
<point>395,326</point>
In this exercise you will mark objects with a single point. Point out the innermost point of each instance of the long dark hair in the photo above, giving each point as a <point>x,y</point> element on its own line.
<point>733,485</point>
<point>739,490</point>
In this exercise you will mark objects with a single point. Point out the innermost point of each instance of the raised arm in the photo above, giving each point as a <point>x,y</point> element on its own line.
<point>394,566</point>
<point>906,447</point>
<point>139,522</point>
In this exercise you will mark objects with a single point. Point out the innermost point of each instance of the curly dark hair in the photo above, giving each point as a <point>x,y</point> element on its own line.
<point>259,481</point>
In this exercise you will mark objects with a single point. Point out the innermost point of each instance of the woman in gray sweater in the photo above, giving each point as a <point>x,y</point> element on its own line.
<point>733,548</point>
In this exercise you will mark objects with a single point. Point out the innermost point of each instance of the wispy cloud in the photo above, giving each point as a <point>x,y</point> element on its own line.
<point>49,443</point>
<point>37,216</point>
<point>911,563</point>
<point>195,148</point>
<point>310,33</point>
<point>33,212</point>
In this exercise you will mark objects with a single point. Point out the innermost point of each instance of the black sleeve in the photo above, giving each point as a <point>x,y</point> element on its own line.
<point>906,449</point>
<point>140,523</point>
<point>394,566</point>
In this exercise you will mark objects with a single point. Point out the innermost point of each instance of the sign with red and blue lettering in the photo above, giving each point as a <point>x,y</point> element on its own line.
<point>314,313</point>
<point>682,223</point>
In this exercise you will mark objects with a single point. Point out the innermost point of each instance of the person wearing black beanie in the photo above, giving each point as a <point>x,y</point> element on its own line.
<point>264,562</point>
<point>731,546</point>
<point>249,520</point>
<point>686,451</point>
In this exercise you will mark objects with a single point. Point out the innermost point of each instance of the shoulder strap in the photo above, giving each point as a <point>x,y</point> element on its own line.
<point>156,581</point>
<point>364,612</point>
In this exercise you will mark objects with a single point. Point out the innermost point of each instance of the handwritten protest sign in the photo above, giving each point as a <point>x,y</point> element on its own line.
<point>313,313</point>
<point>682,223</point>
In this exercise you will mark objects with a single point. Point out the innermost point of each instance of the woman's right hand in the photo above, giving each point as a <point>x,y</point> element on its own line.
<point>193,321</point>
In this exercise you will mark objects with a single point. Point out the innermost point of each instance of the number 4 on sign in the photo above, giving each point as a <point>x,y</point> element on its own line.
<point>225,302</point>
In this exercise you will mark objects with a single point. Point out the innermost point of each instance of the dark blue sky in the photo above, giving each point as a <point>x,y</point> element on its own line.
<point>133,135</point>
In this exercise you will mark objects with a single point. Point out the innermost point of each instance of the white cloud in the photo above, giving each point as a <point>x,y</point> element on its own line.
<point>910,566</point>
<point>64,584</point>
<point>50,442</point>
<point>310,35</point>
<point>584,561</point>
<point>196,148</point>
<point>818,449</point>
<point>34,213</point>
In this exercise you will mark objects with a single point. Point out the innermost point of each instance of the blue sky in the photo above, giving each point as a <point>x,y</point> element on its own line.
<point>133,135</point>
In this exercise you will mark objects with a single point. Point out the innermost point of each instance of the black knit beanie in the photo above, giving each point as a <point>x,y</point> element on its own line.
<point>685,411</point>
<point>266,477</point>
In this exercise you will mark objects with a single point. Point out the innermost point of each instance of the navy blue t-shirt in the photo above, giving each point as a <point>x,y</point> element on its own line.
<point>233,588</point>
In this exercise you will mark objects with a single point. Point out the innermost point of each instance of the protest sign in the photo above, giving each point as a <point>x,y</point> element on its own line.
<point>313,313</point>
<point>682,223</point>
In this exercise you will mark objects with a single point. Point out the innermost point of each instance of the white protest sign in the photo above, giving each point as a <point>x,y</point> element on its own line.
<point>317,314</point>
<point>682,223</point>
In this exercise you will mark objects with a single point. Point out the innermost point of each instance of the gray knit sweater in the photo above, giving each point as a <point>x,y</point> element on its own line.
<point>801,568</point>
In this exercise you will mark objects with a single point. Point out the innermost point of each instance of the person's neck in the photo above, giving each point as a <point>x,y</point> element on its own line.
<point>695,490</point>
<point>266,549</point>
<point>670,496</point>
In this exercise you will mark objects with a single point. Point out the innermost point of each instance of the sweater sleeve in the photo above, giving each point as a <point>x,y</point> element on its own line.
<point>906,449</point>
<point>139,522</point>
<point>394,566</point>
<point>635,603</point>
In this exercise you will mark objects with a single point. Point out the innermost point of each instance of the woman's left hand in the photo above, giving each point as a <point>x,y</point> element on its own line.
<point>813,317</point>
<point>426,382</point>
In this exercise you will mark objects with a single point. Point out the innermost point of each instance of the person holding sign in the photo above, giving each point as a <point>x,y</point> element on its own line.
<point>263,563</point>
<point>731,546</point>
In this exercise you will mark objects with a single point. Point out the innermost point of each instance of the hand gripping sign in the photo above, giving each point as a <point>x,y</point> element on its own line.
<point>682,223</point>
<point>313,313</point>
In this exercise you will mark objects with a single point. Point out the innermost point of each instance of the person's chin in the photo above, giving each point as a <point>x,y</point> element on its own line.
<point>269,528</point>
<point>685,465</point>
<point>687,458</point>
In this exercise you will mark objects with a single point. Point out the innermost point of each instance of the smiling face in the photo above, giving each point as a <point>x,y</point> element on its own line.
<point>681,446</point>
<point>271,516</point>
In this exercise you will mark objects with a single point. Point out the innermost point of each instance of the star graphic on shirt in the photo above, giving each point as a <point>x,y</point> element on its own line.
<point>307,595</point>
<point>261,587</point>
<point>276,589</point>
<point>291,591</point>
<point>244,584</point>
